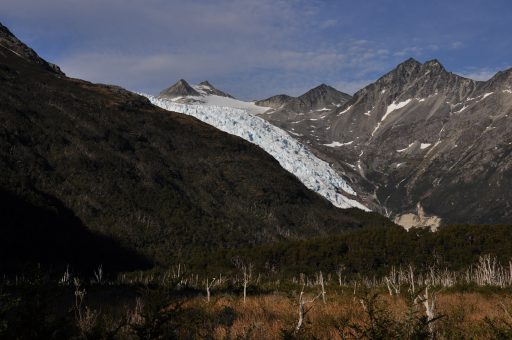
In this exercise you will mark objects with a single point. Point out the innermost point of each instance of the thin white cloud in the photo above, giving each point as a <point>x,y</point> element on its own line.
<point>329,23</point>
<point>408,51</point>
<point>457,44</point>
<point>479,74</point>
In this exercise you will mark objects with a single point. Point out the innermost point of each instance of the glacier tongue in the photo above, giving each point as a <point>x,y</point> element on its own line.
<point>293,156</point>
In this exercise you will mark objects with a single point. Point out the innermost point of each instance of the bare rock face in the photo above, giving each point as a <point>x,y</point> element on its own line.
<point>180,89</point>
<point>418,219</point>
<point>421,136</point>
<point>209,89</point>
<point>310,106</point>
<point>276,102</point>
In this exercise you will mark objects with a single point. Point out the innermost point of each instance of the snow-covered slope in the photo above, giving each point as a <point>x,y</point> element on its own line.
<point>293,156</point>
<point>219,101</point>
<point>206,94</point>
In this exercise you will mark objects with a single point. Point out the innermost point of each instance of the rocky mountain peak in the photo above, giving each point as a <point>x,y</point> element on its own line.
<point>500,81</point>
<point>276,102</point>
<point>322,96</point>
<point>405,69</point>
<point>433,68</point>
<point>320,89</point>
<point>209,89</point>
<point>323,87</point>
<point>323,90</point>
<point>206,83</point>
<point>409,63</point>
<point>180,89</point>
<point>401,74</point>
<point>412,79</point>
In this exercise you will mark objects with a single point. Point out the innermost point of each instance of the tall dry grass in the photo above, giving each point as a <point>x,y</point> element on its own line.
<point>274,316</point>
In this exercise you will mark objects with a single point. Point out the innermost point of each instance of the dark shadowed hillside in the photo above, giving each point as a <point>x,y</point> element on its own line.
<point>99,160</point>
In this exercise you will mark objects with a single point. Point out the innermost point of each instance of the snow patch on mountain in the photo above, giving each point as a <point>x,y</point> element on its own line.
<point>486,95</point>
<point>402,150</point>
<point>346,110</point>
<point>293,156</point>
<point>336,144</point>
<point>395,106</point>
<point>462,109</point>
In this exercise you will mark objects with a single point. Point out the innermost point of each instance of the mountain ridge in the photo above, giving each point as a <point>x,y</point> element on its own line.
<point>10,42</point>
<point>319,97</point>
<point>408,140</point>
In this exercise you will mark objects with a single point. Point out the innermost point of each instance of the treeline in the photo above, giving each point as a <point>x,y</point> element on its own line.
<point>369,251</point>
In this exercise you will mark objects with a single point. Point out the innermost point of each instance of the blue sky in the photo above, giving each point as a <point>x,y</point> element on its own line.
<point>257,48</point>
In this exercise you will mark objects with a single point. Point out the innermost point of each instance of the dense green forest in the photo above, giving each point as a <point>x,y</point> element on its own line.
<point>372,251</point>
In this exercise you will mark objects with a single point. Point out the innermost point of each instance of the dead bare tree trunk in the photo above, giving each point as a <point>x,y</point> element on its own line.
<point>429,302</point>
<point>303,310</point>
<point>339,271</point>
<point>323,287</point>
<point>208,286</point>
<point>246,281</point>
<point>411,278</point>
<point>388,284</point>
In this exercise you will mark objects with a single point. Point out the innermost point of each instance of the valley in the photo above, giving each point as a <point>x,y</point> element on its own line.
<point>308,213</point>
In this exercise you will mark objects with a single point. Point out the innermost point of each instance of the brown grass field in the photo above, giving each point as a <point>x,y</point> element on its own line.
<point>273,316</point>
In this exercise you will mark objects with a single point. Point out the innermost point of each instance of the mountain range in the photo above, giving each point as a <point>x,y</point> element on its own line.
<point>426,146</point>
<point>421,145</point>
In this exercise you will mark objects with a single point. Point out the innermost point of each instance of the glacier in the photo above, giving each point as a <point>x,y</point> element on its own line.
<point>293,156</point>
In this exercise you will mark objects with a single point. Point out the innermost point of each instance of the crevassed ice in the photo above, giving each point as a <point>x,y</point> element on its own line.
<point>293,156</point>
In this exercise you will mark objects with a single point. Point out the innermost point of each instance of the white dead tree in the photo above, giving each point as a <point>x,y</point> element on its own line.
<point>429,302</point>
<point>247,278</point>
<point>393,288</point>
<point>303,310</point>
<point>246,271</point>
<point>321,279</point>
<point>389,285</point>
<point>393,281</point>
<point>339,272</point>
<point>411,278</point>
<point>209,285</point>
